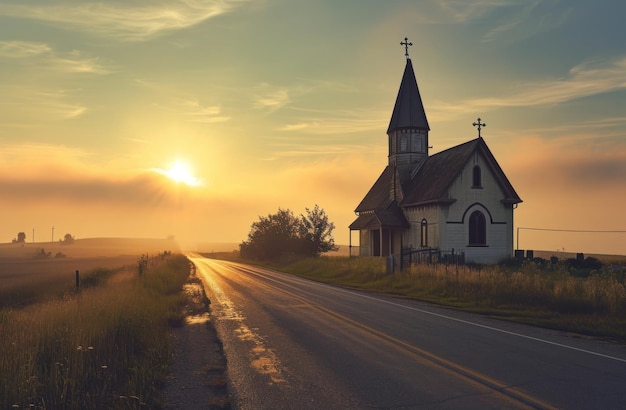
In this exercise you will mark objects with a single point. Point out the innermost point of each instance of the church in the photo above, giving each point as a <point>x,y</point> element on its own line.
<point>455,202</point>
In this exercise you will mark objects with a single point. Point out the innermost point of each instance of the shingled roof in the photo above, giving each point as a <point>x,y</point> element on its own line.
<point>433,180</point>
<point>409,110</point>
<point>391,217</point>
<point>379,195</point>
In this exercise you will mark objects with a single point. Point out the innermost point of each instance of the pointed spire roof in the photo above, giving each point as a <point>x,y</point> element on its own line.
<point>409,110</point>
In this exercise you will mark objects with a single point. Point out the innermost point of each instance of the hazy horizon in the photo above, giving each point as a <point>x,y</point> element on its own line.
<point>191,119</point>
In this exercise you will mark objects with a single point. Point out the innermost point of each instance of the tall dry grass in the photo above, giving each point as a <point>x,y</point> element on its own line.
<point>532,293</point>
<point>25,281</point>
<point>104,347</point>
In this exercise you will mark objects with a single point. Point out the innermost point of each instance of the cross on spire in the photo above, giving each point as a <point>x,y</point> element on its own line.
<point>406,45</point>
<point>479,125</point>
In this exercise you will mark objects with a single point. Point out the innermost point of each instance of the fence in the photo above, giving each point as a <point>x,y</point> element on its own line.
<point>430,256</point>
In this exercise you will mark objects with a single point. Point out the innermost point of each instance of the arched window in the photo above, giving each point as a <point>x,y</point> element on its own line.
<point>476,181</point>
<point>477,229</point>
<point>424,230</point>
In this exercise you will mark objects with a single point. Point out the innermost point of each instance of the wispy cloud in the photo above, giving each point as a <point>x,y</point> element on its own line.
<point>463,11</point>
<point>582,81</point>
<point>186,105</point>
<point>598,130</point>
<point>74,64</point>
<point>506,20</point>
<point>128,20</point>
<point>22,49</point>
<point>339,123</point>
<point>13,155</point>
<point>266,96</point>
<point>41,103</point>
<point>44,58</point>
<point>310,151</point>
<point>527,20</point>
<point>201,113</point>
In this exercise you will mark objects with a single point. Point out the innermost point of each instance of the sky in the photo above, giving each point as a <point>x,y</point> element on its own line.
<point>191,118</point>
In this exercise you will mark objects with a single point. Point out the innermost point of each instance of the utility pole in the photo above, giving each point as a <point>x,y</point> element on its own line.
<point>33,235</point>
<point>52,233</point>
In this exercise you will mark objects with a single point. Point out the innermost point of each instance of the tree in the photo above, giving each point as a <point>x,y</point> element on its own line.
<point>271,236</point>
<point>316,232</point>
<point>68,239</point>
<point>282,234</point>
<point>21,238</point>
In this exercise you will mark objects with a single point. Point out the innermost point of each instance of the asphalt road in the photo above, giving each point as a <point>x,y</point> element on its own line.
<point>292,343</point>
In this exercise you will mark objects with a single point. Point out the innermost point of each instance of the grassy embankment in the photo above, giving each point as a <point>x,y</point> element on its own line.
<point>104,346</point>
<point>551,295</point>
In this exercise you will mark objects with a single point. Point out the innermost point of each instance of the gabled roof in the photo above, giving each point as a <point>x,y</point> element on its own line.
<point>409,110</point>
<point>432,181</point>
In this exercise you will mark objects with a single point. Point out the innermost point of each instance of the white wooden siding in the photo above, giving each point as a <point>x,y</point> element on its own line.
<point>487,199</point>
<point>413,237</point>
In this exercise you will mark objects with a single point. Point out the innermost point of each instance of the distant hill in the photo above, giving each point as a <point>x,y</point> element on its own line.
<point>208,247</point>
<point>215,247</point>
<point>90,247</point>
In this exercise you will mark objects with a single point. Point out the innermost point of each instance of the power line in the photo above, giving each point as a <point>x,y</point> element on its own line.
<point>564,230</point>
<point>568,230</point>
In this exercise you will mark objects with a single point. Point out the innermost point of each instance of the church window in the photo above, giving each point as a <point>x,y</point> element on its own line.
<point>476,177</point>
<point>403,143</point>
<point>417,143</point>
<point>424,231</point>
<point>477,229</point>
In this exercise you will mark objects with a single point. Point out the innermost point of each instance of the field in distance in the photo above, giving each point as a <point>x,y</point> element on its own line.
<point>88,248</point>
<point>51,263</point>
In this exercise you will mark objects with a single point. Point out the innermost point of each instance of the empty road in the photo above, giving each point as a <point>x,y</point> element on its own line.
<point>292,343</point>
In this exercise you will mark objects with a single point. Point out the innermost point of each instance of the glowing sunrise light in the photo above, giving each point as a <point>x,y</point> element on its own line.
<point>181,173</point>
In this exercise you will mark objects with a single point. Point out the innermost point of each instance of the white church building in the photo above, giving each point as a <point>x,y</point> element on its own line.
<point>458,200</point>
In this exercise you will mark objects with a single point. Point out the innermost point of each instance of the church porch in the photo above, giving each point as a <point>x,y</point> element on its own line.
<point>380,234</point>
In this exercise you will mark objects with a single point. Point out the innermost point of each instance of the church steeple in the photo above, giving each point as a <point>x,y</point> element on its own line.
<point>409,110</point>
<point>408,128</point>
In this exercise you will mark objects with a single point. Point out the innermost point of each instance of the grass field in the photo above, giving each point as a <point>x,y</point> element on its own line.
<point>87,248</point>
<point>30,273</point>
<point>105,346</point>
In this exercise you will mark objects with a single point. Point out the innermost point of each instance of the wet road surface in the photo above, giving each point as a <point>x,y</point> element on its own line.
<point>292,343</point>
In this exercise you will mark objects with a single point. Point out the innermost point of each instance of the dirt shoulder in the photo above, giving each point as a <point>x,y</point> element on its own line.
<point>197,377</point>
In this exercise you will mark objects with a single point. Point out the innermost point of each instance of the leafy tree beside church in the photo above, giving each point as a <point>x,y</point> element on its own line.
<point>282,233</point>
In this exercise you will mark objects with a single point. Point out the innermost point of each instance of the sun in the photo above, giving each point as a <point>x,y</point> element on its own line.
<point>181,173</point>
